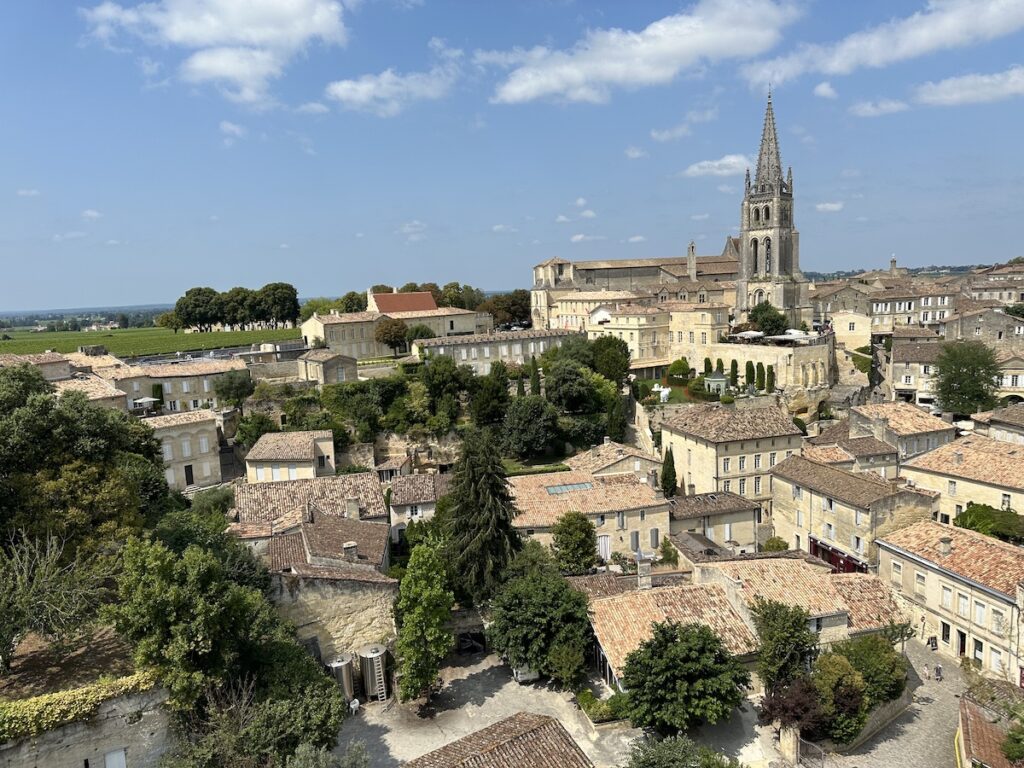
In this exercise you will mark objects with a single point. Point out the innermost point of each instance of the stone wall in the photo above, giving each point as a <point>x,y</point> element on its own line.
<point>341,615</point>
<point>136,723</point>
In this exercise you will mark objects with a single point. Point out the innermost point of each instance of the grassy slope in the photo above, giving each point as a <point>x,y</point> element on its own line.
<point>138,341</point>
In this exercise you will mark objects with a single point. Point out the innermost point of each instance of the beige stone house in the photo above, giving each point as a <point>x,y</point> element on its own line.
<point>611,458</point>
<point>325,366</point>
<point>181,386</point>
<point>721,517</point>
<point>414,499</point>
<point>325,541</point>
<point>96,389</point>
<point>837,515</point>
<point>834,446</point>
<point>724,448</point>
<point>52,365</point>
<point>280,456</point>
<point>190,446</point>
<point>910,374</point>
<point>852,329</point>
<point>1011,378</point>
<point>983,323</point>
<point>480,351</point>
<point>1003,424</point>
<point>963,589</point>
<point>912,430</point>
<point>630,515</point>
<point>973,469</point>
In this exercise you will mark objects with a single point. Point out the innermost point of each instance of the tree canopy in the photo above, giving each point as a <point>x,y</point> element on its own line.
<point>424,608</point>
<point>786,643</point>
<point>966,376</point>
<point>675,752</point>
<point>204,307</point>
<point>530,426</point>
<point>768,319</point>
<point>1003,524</point>
<point>574,543</point>
<point>391,332</point>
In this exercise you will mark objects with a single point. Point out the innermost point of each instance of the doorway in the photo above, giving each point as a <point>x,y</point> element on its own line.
<point>961,643</point>
<point>189,475</point>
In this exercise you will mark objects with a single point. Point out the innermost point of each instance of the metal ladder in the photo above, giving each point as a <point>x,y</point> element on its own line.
<point>380,684</point>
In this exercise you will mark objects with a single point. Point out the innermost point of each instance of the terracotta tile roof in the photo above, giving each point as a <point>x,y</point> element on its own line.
<point>287,555</point>
<point>524,740</point>
<point>82,360</point>
<point>606,454</point>
<point>869,600</point>
<point>975,556</point>
<point>321,356</point>
<point>40,358</point>
<point>600,296</point>
<point>347,317</point>
<point>288,446</point>
<point>1011,414</point>
<point>976,458</point>
<point>916,352</point>
<point>622,622</point>
<point>867,446</point>
<point>790,581</point>
<point>856,488</point>
<point>438,312</point>
<point>326,535</point>
<point>89,384</point>
<point>418,489</point>
<point>701,504</point>
<point>903,418</point>
<point>393,462</point>
<point>542,499</point>
<point>203,367</point>
<point>825,454</point>
<point>404,302</point>
<point>263,502</point>
<point>723,424</point>
<point>913,332</point>
<point>983,732</point>
<point>180,419</point>
<point>605,584</point>
<point>285,550</point>
<point>838,435</point>
<point>494,338</point>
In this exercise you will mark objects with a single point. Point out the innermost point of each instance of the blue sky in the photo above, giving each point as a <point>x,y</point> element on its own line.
<point>151,147</point>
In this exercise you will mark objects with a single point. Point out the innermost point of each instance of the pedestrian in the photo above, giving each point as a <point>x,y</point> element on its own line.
<point>938,672</point>
<point>927,672</point>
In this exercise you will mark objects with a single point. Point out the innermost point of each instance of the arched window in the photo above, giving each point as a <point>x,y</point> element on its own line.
<point>767,215</point>
<point>768,255</point>
<point>758,297</point>
<point>753,254</point>
<point>757,215</point>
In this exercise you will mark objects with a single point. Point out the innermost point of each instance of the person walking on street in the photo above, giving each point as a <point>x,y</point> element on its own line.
<point>938,672</point>
<point>927,672</point>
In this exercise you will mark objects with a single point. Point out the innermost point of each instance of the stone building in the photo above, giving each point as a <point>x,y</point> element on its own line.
<point>190,446</point>
<point>963,589</point>
<point>722,448</point>
<point>1003,424</point>
<point>836,515</point>
<point>993,326</point>
<point>911,371</point>
<point>834,446</point>
<point>414,499</point>
<point>187,385</point>
<point>973,469</point>
<point>96,389</point>
<point>280,456</point>
<point>325,366</point>
<point>52,365</point>
<point>481,351</point>
<point>611,458</point>
<point>722,518</point>
<point>630,515</point>
<point>910,429</point>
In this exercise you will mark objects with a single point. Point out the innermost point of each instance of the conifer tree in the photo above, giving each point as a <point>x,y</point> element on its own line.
<point>521,384</point>
<point>734,374</point>
<point>759,377</point>
<point>668,474</point>
<point>616,420</point>
<point>534,376</point>
<point>748,373</point>
<point>770,379</point>
<point>425,607</point>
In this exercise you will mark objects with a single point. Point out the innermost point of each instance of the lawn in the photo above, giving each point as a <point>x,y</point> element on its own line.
<point>515,467</point>
<point>132,342</point>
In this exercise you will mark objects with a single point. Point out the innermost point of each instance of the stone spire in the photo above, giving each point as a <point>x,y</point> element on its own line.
<point>769,162</point>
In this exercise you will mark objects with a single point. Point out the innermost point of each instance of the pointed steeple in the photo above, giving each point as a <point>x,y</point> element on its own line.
<point>769,162</point>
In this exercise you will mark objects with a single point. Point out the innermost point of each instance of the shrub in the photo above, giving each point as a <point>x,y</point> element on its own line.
<point>840,689</point>
<point>727,399</point>
<point>775,544</point>
<point>884,669</point>
<point>616,707</point>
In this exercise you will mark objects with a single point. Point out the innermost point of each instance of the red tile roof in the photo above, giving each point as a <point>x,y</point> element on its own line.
<point>404,302</point>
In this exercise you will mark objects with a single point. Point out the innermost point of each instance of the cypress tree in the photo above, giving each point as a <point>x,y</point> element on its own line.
<point>748,377</point>
<point>668,474</point>
<point>707,365</point>
<point>483,540</point>
<point>760,377</point>
<point>734,374</point>
<point>616,420</point>
<point>719,366</point>
<point>521,384</point>
<point>770,379</point>
<point>534,376</point>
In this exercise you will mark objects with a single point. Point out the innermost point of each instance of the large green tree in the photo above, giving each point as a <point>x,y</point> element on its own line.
<point>786,643</point>
<point>280,302</point>
<point>883,668</point>
<point>844,705</point>
<point>530,426</point>
<point>200,308</point>
<point>537,621</point>
<point>768,319</point>
<point>966,377</point>
<point>574,543</point>
<point>1003,524</point>
<point>569,387</point>
<point>675,752</point>
<point>234,387</point>
<point>490,397</point>
<point>534,377</point>
<point>611,358</point>
<point>682,676</point>
<point>483,538</point>
<point>391,332</point>
<point>617,423</point>
<point>424,608</point>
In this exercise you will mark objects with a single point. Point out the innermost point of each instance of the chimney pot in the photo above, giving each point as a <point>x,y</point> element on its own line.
<point>958,457</point>
<point>945,546</point>
<point>607,440</point>
<point>643,572</point>
<point>350,550</point>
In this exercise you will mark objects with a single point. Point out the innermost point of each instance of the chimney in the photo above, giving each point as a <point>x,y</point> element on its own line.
<point>958,457</point>
<point>691,261</point>
<point>945,546</point>
<point>607,440</point>
<point>352,508</point>
<point>892,265</point>
<point>307,513</point>
<point>652,478</point>
<point>351,551</point>
<point>692,490</point>
<point>643,572</point>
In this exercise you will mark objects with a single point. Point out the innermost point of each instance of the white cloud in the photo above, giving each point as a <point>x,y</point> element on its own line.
<point>635,153</point>
<point>637,239</point>
<point>586,238</point>
<point>28,193</point>
<point>580,202</point>
<point>824,90</point>
<point>312,108</point>
<point>503,228</point>
<point>231,131</point>
<point>112,242</point>
<point>360,235</point>
<point>73,235</point>
<point>877,108</point>
<point>700,217</point>
<point>561,218</point>
<point>680,131</point>
<point>91,214</point>
<point>588,214</point>
<point>942,25</point>
<point>829,207</point>
<point>604,59</point>
<point>388,93</point>
<point>850,173</point>
<point>728,165</point>
<point>414,231</point>
<point>239,46</point>
<point>725,189</point>
<point>284,246</point>
<point>972,89</point>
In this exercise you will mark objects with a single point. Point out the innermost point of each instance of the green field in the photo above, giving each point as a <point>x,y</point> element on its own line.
<point>132,342</point>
